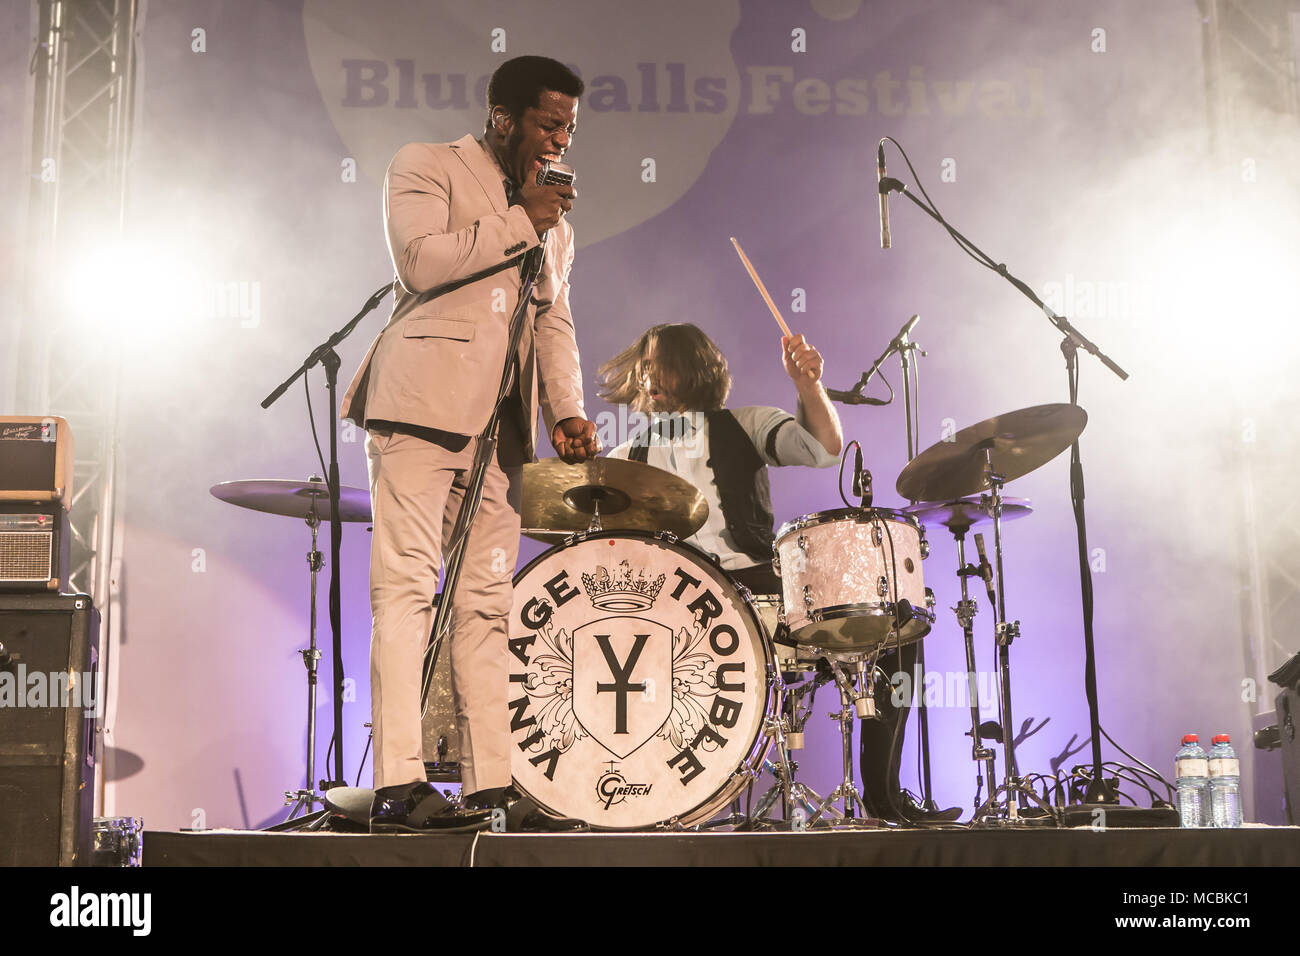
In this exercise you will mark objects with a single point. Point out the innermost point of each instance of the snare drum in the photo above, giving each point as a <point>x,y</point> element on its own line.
<point>843,573</point>
<point>640,681</point>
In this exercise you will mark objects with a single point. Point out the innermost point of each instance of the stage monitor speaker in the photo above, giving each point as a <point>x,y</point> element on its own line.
<point>49,697</point>
<point>35,493</point>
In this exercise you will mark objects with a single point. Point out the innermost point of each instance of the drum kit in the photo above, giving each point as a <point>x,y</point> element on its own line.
<point>648,690</point>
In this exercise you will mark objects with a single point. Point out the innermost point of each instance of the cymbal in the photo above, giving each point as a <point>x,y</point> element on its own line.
<point>559,499</point>
<point>1019,442</point>
<point>964,513</point>
<point>294,499</point>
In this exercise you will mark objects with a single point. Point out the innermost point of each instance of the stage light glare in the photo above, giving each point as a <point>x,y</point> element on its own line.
<point>126,292</point>
<point>1225,302</point>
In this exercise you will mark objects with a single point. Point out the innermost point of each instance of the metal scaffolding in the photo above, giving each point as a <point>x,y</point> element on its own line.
<point>84,68</point>
<point>1254,112</point>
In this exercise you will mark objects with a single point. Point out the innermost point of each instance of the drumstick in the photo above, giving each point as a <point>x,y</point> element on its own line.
<point>762,289</point>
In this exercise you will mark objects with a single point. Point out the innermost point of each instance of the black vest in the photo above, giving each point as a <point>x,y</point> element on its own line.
<point>741,477</point>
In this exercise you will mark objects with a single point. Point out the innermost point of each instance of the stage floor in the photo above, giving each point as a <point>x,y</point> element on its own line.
<point>1248,846</point>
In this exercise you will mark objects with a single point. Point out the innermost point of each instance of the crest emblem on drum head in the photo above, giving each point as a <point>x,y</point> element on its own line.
<point>622,680</point>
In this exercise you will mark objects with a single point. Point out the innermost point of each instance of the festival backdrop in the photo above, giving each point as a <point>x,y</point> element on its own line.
<point>1068,140</point>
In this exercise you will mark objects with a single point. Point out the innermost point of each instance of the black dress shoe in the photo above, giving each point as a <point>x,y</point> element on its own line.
<point>420,808</point>
<point>523,815</point>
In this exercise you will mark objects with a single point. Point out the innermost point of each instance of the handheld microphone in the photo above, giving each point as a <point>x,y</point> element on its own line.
<point>986,569</point>
<point>884,196</point>
<point>555,173</point>
<point>552,173</point>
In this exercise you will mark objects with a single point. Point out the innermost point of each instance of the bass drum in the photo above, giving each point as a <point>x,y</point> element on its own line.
<point>639,683</point>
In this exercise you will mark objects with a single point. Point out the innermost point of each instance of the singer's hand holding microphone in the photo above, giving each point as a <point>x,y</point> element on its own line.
<point>546,205</point>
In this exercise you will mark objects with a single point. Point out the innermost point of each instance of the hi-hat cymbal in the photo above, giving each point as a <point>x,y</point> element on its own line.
<point>559,499</point>
<point>1018,442</point>
<point>964,513</point>
<point>294,499</point>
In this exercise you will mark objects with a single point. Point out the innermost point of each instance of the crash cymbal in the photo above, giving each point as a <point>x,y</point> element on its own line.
<point>294,499</point>
<point>1019,441</point>
<point>965,513</point>
<point>559,499</point>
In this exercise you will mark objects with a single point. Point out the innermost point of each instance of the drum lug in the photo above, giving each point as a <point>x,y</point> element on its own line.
<point>882,586</point>
<point>666,536</point>
<point>802,542</point>
<point>807,597</point>
<point>929,598</point>
<point>877,535</point>
<point>776,562</point>
<point>925,546</point>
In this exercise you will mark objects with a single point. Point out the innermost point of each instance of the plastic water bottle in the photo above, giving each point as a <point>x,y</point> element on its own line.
<point>1191,777</point>
<point>1225,780</point>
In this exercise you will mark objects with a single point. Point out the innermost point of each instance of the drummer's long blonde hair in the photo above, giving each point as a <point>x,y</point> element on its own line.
<point>698,368</point>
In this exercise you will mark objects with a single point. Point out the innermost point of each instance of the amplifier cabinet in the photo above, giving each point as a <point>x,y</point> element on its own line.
<point>49,701</point>
<point>35,492</point>
<point>35,546</point>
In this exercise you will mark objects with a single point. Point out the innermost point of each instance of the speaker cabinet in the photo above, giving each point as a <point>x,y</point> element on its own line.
<point>49,698</point>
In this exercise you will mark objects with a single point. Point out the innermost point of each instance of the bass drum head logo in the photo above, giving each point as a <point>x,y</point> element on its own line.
<point>638,682</point>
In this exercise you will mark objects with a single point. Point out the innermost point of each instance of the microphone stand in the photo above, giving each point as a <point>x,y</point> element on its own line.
<point>484,450</point>
<point>1099,790</point>
<point>854,396</point>
<point>325,355</point>
<point>904,347</point>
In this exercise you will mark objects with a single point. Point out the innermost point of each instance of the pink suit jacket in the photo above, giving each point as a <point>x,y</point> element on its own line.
<point>455,243</point>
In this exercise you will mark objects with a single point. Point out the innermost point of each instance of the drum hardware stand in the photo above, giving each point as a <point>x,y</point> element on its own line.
<point>800,796</point>
<point>1006,632</point>
<point>965,611</point>
<point>911,398</point>
<point>325,355</point>
<point>905,347</point>
<point>794,795</point>
<point>776,729</point>
<point>851,707</point>
<point>306,799</point>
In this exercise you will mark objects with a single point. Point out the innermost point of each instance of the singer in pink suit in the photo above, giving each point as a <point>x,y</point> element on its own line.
<point>460,217</point>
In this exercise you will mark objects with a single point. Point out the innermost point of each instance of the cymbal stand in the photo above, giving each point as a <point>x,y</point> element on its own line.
<point>992,811</point>
<point>305,800</point>
<point>965,611</point>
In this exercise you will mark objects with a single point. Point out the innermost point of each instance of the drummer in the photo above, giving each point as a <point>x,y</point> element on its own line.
<point>679,378</point>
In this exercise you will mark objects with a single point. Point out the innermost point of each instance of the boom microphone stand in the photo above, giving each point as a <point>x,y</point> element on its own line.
<point>484,450</point>
<point>325,355</point>
<point>1098,791</point>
